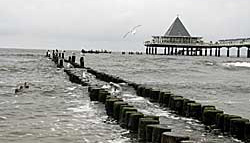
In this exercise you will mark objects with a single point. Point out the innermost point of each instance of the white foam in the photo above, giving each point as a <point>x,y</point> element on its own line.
<point>238,64</point>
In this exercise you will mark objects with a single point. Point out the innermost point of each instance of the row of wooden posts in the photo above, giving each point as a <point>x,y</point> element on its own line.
<point>189,51</point>
<point>135,121</point>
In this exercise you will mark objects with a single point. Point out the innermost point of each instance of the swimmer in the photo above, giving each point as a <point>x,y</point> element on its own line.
<point>26,85</point>
<point>19,89</point>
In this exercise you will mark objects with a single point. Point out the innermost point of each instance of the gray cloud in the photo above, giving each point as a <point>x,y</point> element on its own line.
<point>102,23</point>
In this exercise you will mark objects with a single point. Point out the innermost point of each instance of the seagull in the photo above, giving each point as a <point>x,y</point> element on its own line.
<point>132,31</point>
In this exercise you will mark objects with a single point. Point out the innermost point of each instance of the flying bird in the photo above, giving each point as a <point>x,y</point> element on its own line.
<point>132,31</point>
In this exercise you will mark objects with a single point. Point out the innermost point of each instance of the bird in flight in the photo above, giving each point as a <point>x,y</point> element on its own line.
<point>132,31</point>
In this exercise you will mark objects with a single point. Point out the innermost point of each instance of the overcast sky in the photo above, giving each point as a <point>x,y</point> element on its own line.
<point>100,24</point>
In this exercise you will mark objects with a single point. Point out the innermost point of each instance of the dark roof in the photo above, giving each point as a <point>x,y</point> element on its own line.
<point>177,29</point>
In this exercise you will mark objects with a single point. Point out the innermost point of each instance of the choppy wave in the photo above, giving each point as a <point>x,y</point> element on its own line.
<point>237,64</point>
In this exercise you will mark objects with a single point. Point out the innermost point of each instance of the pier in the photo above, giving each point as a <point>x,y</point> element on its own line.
<point>177,41</point>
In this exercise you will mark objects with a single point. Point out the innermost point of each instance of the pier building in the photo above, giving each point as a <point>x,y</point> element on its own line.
<point>178,41</point>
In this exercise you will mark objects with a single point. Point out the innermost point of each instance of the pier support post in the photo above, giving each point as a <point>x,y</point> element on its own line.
<point>165,51</point>
<point>149,50</point>
<point>191,52</point>
<point>228,51</point>
<point>168,50</point>
<point>211,51</point>
<point>200,51</point>
<point>152,50</point>
<point>155,50</point>
<point>196,52</point>
<point>218,52</point>
<point>248,52</point>
<point>238,51</point>
<point>183,50</point>
<point>175,51</point>
<point>172,51</point>
<point>187,51</point>
<point>146,50</point>
<point>205,51</point>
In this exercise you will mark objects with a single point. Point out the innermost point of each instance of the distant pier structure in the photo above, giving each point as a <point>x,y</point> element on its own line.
<point>178,41</point>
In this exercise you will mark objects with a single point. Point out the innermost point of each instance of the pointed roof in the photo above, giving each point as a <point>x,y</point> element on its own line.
<point>177,29</point>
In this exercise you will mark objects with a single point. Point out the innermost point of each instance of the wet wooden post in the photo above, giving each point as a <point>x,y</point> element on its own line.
<point>146,50</point>
<point>191,52</point>
<point>183,50</point>
<point>187,51</point>
<point>205,51</point>
<point>149,50</point>
<point>82,62</point>
<point>248,52</point>
<point>155,50</point>
<point>238,51</point>
<point>218,52</point>
<point>196,52</point>
<point>211,51</point>
<point>172,51</point>
<point>165,51</point>
<point>63,54</point>
<point>73,58</point>
<point>168,50</point>
<point>175,51</point>
<point>200,51</point>
<point>228,51</point>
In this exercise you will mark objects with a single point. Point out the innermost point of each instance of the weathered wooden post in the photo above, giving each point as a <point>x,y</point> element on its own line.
<point>238,51</point>
<point>172,51</point>
<point>155,50</point>
<point>183,51</point>
<point>168,50</point>
<point>175,51</point>
<point>73,59</point>
<point>187,51</point>
<point>200,51</point>
<point>191,52</point>
<point>149,50</point>
<point>165,51</point>
<point>63,54</point>
<point>82,62</point>
<point>146,50</point>
<point>218,52</point>
<point>248,52</point>
<point>205,51</point>
<point>228,51</point>
<point>211,51</point>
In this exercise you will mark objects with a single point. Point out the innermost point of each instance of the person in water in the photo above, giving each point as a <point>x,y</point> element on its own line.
<point>26,85</point>
<point>21,87</point>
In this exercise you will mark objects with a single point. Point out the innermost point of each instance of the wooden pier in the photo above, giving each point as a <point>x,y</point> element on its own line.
<point>178,41</point>
<point>195,49</point>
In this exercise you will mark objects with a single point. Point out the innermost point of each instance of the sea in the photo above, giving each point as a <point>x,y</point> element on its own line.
<point>54,110</point>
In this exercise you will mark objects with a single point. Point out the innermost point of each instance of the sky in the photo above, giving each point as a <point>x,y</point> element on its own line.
<point>101,24</point>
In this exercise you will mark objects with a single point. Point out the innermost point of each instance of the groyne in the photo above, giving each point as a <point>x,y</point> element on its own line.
<point>149,128</point>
